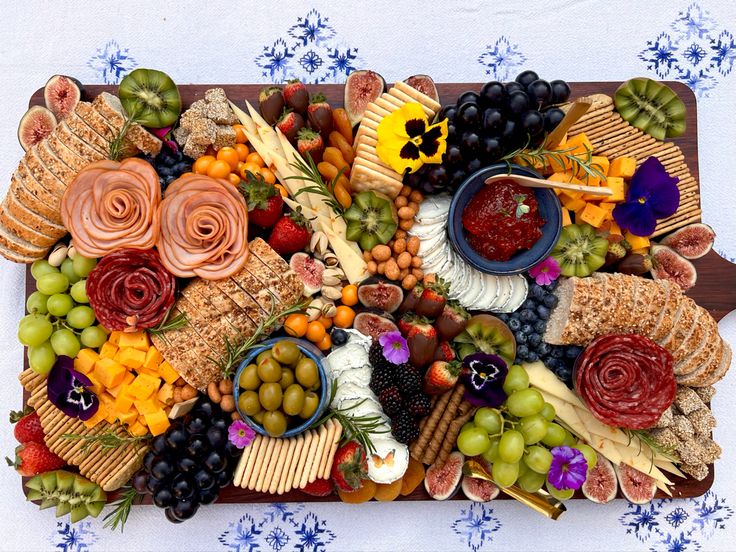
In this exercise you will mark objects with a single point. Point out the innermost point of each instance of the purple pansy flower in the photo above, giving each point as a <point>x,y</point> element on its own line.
<point>545,272</point>
<point>483,376</point>
<point>568,469</point>
<point>67,390</point>
<point>653,194</point>
<point>395,349</point>
<point>240,434</point>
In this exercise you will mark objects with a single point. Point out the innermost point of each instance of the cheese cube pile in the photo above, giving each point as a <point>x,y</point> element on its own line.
<point>134,383</point>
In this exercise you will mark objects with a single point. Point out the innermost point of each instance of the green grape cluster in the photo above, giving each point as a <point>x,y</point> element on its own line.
<point>59,320</point>
<point>516,439</point>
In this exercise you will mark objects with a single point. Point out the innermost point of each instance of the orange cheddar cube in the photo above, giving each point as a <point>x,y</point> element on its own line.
<point>115,337</point>
<point>85,360</point>
<point>149,406</point>
<point>109,372</point>
<point>593,215</point>
<point>636,242</point>
<point>615,229</point>
<point>166,393</point>
<point>153,359</point>
<point>138,429</point>
<point>566,220</point>
<point>157,422</point>
<point>579,144</point>
<point>167,372</point>
<point>128,418</point>
<point>625,167</point>
<point>127,380</point>
<point>144,386</point>
<point>97,417</point>
<point>601,164</point>
<point>616,183</point>
<point>97,388</point>
<point>137,340</point>
<point>573,204</point>
<point>123,403</point>
<point>132,358</point>
<point>108,350</point>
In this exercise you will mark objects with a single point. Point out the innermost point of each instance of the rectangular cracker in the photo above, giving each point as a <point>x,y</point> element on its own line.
<point>264,465</point>
<point>287,476</point>
<point>304,475</point>
<point>296,474</point>
<point>323,445</point>
<point>327,467</point>
<point>418,96</point>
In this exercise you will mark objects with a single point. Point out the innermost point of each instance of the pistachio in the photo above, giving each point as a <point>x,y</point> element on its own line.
<point>314,310</point>
<point>329,310</point>
<point>319,243</point>
<point>330,259</point>
<point>332,292</point>
<point>58,255</point>
<point>71,252</point>
<point>332,276</point>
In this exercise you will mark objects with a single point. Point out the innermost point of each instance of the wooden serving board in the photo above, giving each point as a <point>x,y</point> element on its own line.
<point>715,290</point>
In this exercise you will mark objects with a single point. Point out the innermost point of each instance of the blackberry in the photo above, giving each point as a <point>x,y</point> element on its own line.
<point>419,405</point>
<point>408,380</point>
<point>375,356</point>
<point>390,400</point>
<point>404,428</point>
<point>381,378</point>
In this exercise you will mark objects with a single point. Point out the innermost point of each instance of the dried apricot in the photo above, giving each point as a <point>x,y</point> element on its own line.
<point>389,491</point>
<point>364,494</point>
<point>413,477</point>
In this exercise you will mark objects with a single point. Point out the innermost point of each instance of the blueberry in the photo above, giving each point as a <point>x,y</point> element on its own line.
<point>522,351</point>
<point>339,337</point>
<point>532,356</point>
<point>529,304</point>
<point>554,364</point>
<point>551,286</point>
<point>537,291</point>
<point>165,171</point>
<point>520,336</point>
<point>503,317</point>
<point>514,324</point>
<point>535,340</point>
<point>565,374</point>
<point>540,326</point>
<point>572,352</point>
<point>527,315</point>
<point>557,352</point>
<point>544,348</point>
<point>543,312</point>
<point>551,301</point>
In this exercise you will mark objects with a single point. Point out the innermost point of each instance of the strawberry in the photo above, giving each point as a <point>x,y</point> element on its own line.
<point>451,321</point>
<point>421,337</point>
<point>264,201</point>
<point>441,376</point>
<point>319,487</point>
<point>290,123</point>
<point>433,300</point>
<point>290,233</point>
<point>411,299</point>
<point>349,467</point>
<point>319,114</point>
<point>296,95</point>
<point>34,458</point>
<point>27,427</point>
<point>444,351</point>
<point>271,103</point>
<point>310,143</point>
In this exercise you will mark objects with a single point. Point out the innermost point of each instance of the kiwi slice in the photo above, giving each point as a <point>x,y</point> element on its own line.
<point>488,334</point>
<point>150,97</point>
<point>371,219</point>
<point>580,251</point>
<point>69,492</point>
<point>652,107</point>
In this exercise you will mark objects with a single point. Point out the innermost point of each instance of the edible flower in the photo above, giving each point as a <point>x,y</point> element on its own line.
<point>568,469</point>
<point>68,390</point>
<point>653,194</point>
<point>483,376</point>
<point>240,434</point>
<point>163,135</point>
<point>395,348</point>
<point>406,140</point>
<point>545,272</point>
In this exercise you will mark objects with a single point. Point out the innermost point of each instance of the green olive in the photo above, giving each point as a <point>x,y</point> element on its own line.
<point>248,403</point>
<point>264,355</point>
<point>293,399</point>
<point>274,423</point>
<point>269,370</point>
<point>286,352</point>
<point>270,395</point>
<point>307,373</point>
<point>311,402</point>
<point>249,378</point>
<point>258,417</point>
<point>287,377</point>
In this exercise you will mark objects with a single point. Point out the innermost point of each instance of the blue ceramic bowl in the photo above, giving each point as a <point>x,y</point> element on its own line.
<point>549,209</point>
<point>310,351</point>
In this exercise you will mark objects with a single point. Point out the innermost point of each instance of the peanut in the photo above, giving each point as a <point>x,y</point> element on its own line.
<point>406,224</point>
<point>409,281</point>
<point>188,392</point>
<point>414,206</point>
<point>404,260</point>
<point>403,274</point>
<point>400,234</point>
<point>235,416</point>
<point>381,253</point>
<point>392,270</point>
<point>226,387</point>
<point>180,382</point>
<point>399,246</point>
<point>367,257</point>
<point>412,246</point>
<point>390,243</point>
<point>177,394</point>
<point>400,201</point>
<point>381,268</point>
<point>405,191</point>
<point>418,273</point>
<point>416,196</point>
<point>227,403</point>
<point>372,267</point>
<point>213,392</point>
<point>406,213</point>
<point>416,262</point>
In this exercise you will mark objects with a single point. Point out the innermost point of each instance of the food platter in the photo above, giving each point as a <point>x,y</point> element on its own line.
<point>715,290</point>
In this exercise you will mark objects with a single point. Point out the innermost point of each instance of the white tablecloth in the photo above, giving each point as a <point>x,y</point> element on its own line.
<point>241,42</point>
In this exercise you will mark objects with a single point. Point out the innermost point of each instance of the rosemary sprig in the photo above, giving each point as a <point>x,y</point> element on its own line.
<point>311,174</point>
<point>167,324</point>
<point>234,352</point>
<point>543,156</point>
<point>656,448</point>
<point>108,441</point>
<point>117,143</point>
<point>122,506</point>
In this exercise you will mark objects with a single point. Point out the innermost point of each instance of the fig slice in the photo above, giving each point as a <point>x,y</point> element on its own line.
<point>425,85</point>
<point>669,265</point>
<point>443,481</point>
<point>361,88</point>
<point>381,295</point>
<point>692,241</point>
<point>637,487</point>
<point>601,485</point>
<point>62,94</point>
<point>310,271</point>
<point>479,490</point>
<point>373,325</point>
<point>35,125</point>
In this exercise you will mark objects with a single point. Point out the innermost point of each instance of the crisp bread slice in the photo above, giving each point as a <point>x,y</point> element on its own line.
<point>35,168</point>
<point>85,133</point>
<point>667,317</point>
<point>33,197</point>
<point>683,326</point>
<point>54,165</point>
<point>73,160</point>
<point>85,150</point>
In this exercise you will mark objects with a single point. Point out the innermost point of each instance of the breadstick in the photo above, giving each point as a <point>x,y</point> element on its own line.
<point>430,423</point>
<point>439,434</point>
<point>452,433</point>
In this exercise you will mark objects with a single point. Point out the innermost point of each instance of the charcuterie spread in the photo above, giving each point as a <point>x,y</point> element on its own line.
<point>406,296</point>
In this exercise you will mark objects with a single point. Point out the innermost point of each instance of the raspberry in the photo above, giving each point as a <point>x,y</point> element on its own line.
<point>419,405</point>
<point>390,400</point>
<point>408,380</point>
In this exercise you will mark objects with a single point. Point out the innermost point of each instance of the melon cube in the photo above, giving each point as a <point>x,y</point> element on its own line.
<point>167,372</point>
<point>137,340</point>
<point>109,372</point>
<point>85,360</point>
<point>625,167</point>
<point>132,358</point>
<point>636,242</point>
<point>616,183</point>
<point>593,215</point>
<point>157,422</point>
<point>108,350</point>
<point>138,429</point>
<point>153,359</point>
<point>144,386</point>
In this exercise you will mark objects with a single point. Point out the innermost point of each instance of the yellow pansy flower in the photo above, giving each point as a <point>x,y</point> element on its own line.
<point>406,140</point>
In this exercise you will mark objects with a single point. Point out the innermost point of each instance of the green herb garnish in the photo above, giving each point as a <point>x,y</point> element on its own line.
<point>167,324</point>
<point>311,174</point>
<point>117,143</point>
<point>122,506</point>
<point>108,441</point>
<point>542,156</point>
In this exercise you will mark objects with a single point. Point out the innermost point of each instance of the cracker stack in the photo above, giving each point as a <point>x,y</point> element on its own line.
<point>30,215</point>
<point>231,308</point>
<point>613,137</point>
<point>618,303</point>
<point>368,171</point>
<point>274,465</point>
<point>110,469</point>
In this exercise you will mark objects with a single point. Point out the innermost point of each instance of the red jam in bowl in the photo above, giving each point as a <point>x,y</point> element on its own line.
<point>501,220</point>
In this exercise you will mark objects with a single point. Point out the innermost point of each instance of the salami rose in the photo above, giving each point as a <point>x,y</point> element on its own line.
<point>625,380</point>
<point>130,289</point>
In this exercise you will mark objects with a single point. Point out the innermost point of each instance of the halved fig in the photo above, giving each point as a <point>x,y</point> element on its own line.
<point>600,485</point>
<point>35,125</point>
<point>310,271</point>
<point>479,490</point>
<point>425,85</point>
<point>62,94</point>
<point>381,295</point>
<point>669,265</point>
<point>692,241</point>
<point>361,88</point>
<point>373,325</point>
<point>637,487</point>
<point>443,481</point>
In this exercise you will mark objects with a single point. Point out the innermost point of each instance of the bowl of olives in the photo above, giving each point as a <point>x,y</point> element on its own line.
<point>281,387</point>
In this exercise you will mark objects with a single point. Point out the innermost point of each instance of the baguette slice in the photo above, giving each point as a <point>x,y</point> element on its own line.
<point>70,158</point>
<point>85,150</point>
<point>711,370</point>
<point>21,228</point>
<point>695,356</point>
<point>38,170</point>
<point>96,121</point>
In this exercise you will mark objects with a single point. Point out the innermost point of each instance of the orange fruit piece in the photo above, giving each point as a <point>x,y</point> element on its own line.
<point>364,494</point>
<point>296,324</point>
<point>413,477</point>
<point>344,317</point>
<point>389,491</point>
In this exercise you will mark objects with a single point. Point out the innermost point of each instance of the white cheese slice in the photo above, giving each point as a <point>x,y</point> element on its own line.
<point>360,407</point>
<point>389,461</point>
<point>358,376</point>
<point>567,413</point>
<point>519,290</point>
<point>493,290</point>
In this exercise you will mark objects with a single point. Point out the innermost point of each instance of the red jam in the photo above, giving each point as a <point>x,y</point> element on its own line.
<point>501,220</point>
